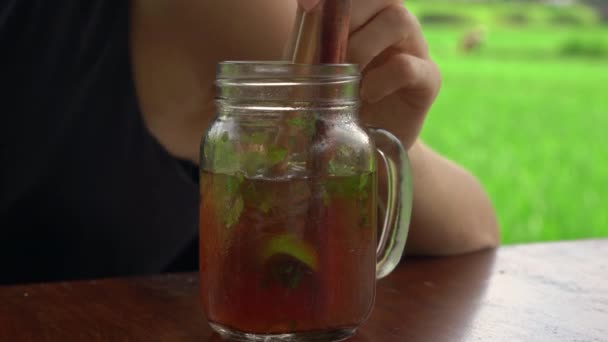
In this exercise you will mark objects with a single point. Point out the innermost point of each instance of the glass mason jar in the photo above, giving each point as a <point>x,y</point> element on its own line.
<point>289,246</point>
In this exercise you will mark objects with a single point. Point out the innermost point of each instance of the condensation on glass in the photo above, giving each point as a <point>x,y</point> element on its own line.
<point>289,246</point>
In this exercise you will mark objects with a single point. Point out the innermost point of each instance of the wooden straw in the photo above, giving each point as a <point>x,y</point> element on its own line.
<point>320,36</point>
<point>334,31</point>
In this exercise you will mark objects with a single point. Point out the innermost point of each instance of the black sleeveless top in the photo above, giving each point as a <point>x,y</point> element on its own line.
<point>85,190</point>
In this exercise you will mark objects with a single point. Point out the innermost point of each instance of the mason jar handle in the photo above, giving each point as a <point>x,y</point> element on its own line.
<point>399,202</point>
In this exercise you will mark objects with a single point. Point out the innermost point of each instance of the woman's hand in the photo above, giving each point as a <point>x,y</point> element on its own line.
<point>451,213</point>
<point>400,81</point>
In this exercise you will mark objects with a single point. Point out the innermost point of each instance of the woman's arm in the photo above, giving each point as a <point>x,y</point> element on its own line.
<point>452,213</point>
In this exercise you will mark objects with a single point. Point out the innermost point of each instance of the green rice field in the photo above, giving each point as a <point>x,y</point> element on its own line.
<point>526,112</point>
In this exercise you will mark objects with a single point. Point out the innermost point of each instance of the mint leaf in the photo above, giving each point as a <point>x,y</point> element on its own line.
<point>264,201</point>
<point>255,161</point>
<point>221,154</point>
<point>343,162</point>
<point>363,181</point>
<point>336,168</point>
<point>233,213</point>
<point>265,205</point>
<point>364,185</point>
<point>252,162</point>
<point>276,155</point>
<point>258,138</point>
<point>298,122</point>
<point>230,200</point>
<point>304,124</point>
<point>233,183</point>
<point>353,186</point>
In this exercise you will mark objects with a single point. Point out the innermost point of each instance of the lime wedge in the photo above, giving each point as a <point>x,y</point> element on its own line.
<point>293,246</point>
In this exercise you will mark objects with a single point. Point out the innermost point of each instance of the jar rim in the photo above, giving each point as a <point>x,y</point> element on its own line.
<point>232,70</point>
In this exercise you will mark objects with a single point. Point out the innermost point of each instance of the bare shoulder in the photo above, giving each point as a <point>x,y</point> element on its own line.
<point>217,30</point>
<point>176,46</point>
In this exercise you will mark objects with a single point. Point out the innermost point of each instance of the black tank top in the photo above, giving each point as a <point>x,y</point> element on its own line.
<point>85,190</point>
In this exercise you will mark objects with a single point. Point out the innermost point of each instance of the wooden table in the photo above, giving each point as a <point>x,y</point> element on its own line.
<point>545,292</point>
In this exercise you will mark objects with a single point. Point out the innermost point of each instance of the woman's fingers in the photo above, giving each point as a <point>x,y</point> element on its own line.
<point>402,71</point>
<point>364,10</point>
<point>394,27</point>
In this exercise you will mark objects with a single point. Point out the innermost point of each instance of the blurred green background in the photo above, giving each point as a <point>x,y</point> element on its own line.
<point>524,106</point>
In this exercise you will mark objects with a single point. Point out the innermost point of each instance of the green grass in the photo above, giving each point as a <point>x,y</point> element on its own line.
<point>530,123</point>
<point>503,43</point>
<point>492,13</point>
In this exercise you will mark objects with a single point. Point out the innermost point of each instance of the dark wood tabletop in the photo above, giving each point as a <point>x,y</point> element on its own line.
<point>542,292</point>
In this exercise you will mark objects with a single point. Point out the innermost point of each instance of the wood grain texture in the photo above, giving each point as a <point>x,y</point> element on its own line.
<point>546,292</point>
<point>334,31</point>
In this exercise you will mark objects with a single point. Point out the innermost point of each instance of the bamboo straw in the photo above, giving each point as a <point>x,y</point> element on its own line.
<point>320,36</point>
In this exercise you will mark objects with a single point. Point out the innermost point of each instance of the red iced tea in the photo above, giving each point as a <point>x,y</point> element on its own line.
<point>277,258</point>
